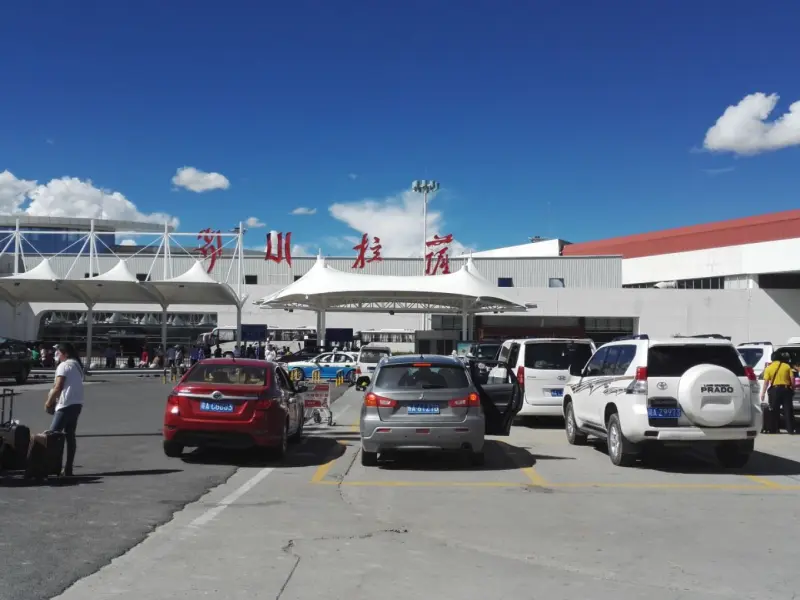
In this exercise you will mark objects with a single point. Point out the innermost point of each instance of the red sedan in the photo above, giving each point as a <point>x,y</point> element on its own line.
<point>233,403</point>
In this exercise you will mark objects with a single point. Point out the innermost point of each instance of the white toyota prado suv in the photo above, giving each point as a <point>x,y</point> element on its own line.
<point>637,392</point>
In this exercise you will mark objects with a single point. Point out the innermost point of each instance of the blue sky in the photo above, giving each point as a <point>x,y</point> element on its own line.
<point>570,119</point>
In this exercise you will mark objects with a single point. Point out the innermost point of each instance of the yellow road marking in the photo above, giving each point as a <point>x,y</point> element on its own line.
<point>323,469</point>
<point>764,482</point>
<point>534,477</point>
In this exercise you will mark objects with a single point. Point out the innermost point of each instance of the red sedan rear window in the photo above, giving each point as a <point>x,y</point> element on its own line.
<point>229,374</point>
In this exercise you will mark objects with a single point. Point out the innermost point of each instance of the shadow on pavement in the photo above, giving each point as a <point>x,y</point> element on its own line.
<point>20,481</point>
<point>500,456</point>
<point>540,422</point>
<point>693,461</point>
<point>311,452</point>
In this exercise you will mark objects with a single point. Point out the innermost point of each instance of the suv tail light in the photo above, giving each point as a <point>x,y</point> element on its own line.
<point>358,370</point>
<point>521,376</point>
<point>639,385</point>
<point>470,401</point>
<point>751,376</point>
<point>379,401</point>
<point>750,373</point>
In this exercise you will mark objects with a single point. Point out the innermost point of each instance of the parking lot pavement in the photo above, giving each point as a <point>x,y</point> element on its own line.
<point>315,528</point>
<point>55,533</point>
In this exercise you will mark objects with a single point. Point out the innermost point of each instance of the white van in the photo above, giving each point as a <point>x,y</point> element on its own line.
<point>368,358</point>
<point>542,367</point>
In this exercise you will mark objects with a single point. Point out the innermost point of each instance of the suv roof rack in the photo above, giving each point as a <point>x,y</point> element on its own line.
<point>755,344</point>
<point>636,336</point>
<point>713,336</point>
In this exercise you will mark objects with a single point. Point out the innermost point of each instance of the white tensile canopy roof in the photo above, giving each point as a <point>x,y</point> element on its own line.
<point>324,288</point>
<point>118,285</point>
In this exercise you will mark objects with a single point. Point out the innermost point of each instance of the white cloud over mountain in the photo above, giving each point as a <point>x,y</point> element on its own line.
<point>743,128</point>
<point>397,220</point>
<point>199,181</point>
<point>254,223</point>
<point>70,197</point>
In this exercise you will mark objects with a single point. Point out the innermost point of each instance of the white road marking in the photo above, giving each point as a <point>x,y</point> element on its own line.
<point>213,512</point>
<point>340,414</point>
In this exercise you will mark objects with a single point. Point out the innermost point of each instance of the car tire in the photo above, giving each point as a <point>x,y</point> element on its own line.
<point>574,435</point>
<point>351,378</point>
<point>173,449</point>
<point>298,435</point>
<point>620,450</point>
<point>280,450</point>
<point>22,377</point>
<point>369,459</point>
<point>297,374</point>
<point>477,459</point>
<point>733,455</point>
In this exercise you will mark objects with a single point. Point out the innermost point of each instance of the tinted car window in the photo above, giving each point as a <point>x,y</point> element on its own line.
<point>229,374</point>
<point>596,364</point>
<point>751,356</point>
<point>399,377</point>
<point>485,351</point>
<point>793,351</point>
<point>556,355</point>
<point>372,356</point>
<point>625,358</point>
<point>674,361</point>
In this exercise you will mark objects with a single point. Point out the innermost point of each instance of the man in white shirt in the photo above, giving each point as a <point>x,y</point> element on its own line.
<point>65,400</point>
<point>271,355</point>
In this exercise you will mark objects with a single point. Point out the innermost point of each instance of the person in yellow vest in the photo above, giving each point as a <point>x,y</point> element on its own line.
<point>779,386</point>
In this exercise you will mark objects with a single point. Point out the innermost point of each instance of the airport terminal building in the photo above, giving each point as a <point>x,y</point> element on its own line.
<point>740,278</point>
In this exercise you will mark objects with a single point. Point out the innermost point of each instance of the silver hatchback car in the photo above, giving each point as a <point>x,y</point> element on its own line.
<point>422,402</point>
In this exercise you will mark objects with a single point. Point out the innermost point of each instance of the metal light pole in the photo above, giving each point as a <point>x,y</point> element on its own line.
<point>424,187</point>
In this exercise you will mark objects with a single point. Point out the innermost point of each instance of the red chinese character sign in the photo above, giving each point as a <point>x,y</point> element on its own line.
<point>438,259</point>
<point>361,248</point>
<point>210,246</point>
<point>281,250</point>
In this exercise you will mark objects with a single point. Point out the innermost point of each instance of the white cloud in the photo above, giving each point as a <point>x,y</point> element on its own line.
<point>70,197</point>
<point>303,250</point>
<point>200,181</point>
<point>397,221</point>
<point>128,242</point>
<point>302,210</point>
<point>254,223</point>
<point>743,128</point>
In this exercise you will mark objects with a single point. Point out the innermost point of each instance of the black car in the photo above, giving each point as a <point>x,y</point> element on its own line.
<point>477,353</point>
<point>15,360</point>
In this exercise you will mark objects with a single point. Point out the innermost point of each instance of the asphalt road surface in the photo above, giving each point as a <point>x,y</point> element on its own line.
<point>541,519</point>
<point>53,534</point>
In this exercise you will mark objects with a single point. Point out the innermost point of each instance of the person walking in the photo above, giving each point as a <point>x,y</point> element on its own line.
<point>778,386</point>
<point>65,400</point>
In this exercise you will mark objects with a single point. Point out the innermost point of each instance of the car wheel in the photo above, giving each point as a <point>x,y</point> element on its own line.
<point>620,450</point>
<point>351,378</point>
<point>574,435</point>
<point>369,459</point>
<point>298,375</point>
<point>173,449</point>
<point>477,459</point>
<point>281,449</point>
<point>298,435</point>
<point>22,377</point>
<point>733,455</point>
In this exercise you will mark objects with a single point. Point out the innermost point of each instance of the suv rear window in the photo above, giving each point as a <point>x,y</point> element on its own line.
<point>556,355</point>
<point>401,377</point>
<point>229,375</point>
<point>674,361</point>
<point>793,351</point>
<point>751,355</point>
<point>372,356</point>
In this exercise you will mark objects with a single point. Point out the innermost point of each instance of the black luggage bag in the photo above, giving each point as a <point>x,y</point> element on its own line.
<point>46,455</point>
<point>15,437</point>
<point>771,419</point>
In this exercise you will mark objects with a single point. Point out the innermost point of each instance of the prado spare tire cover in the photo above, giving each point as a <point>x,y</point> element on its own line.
<point>710,396</point>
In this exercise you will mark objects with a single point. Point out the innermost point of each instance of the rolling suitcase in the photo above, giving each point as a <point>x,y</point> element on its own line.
<point>771,420</point>
<point>46,455</point>
<point>15,437</point>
